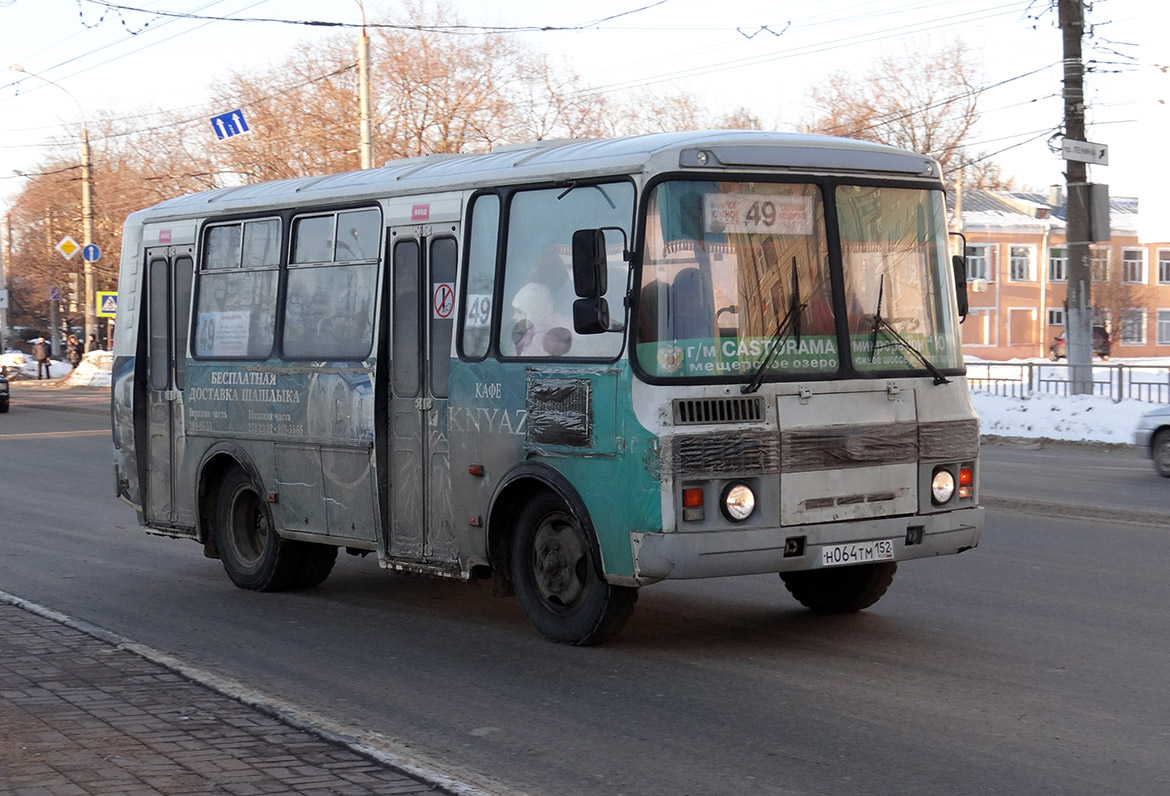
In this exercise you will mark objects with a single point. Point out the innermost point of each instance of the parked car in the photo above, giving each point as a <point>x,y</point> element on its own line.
<point>3,394</point>
<point>1153,437</point>
<point>1101,345</point>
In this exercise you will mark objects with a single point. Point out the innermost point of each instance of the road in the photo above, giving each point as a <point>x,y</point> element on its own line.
<point>1035,664</point>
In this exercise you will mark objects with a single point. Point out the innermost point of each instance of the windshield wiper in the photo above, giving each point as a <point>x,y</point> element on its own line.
<point>790,322</point>
<point>880,323</point>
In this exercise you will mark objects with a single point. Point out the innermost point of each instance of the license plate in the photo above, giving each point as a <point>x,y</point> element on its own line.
<point>857,553</point>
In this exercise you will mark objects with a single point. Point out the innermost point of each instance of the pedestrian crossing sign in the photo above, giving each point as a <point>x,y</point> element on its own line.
<point>107,303</point>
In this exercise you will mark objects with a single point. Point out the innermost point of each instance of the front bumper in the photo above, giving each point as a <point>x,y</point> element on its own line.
<point>710,554</point>
<point>1141,438</point>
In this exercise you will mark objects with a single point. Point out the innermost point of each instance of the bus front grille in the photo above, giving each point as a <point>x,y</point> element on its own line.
<point>702,411</point>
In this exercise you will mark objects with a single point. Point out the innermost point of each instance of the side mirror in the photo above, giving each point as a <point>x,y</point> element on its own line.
<point>590,273</point>
<point>591,315</point>
<point>959,265</point>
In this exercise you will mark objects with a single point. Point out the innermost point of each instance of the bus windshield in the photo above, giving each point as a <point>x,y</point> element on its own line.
<point>737,278</point>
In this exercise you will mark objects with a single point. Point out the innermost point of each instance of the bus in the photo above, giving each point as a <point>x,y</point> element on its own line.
<point>575,367</point>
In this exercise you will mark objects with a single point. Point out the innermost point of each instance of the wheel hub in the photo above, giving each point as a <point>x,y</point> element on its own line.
<point>559,562</point>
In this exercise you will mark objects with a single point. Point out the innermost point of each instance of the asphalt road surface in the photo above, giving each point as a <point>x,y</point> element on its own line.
<point>1036,664</point>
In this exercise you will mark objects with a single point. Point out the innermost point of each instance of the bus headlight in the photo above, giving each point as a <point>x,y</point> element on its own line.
<point>942,486</point>
<point>738,502</point>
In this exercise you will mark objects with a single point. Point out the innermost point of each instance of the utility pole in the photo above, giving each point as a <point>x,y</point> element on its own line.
<point>1079,319</point>
<point>367,154</point>
<point>86,203</point>
<point>5,260</point>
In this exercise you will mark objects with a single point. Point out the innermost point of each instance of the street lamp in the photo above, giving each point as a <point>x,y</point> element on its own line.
<point>86,203</point>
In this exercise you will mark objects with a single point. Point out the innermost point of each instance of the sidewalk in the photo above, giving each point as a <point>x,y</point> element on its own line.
<point>81,716</point>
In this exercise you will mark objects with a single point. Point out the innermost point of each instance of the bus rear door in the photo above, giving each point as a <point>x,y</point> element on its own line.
<point>169,272</point>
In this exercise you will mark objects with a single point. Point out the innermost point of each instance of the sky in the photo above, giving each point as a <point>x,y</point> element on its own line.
<point>761,54</point>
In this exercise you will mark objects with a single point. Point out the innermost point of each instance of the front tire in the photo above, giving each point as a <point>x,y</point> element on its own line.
<point>1160,451</point>
<point>557,580</point>
<point>253,555</point>
<point>840,590</point>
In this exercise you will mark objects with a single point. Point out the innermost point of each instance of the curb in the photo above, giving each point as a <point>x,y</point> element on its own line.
<point>368,745</point>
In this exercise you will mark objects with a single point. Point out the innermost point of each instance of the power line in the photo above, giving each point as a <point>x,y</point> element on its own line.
<point>453,29</point>
<point>810,49</point>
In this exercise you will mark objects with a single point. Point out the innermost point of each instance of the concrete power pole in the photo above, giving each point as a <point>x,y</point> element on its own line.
<point>1079,320</point>
<point>367,147</point>
<point>5,259</point>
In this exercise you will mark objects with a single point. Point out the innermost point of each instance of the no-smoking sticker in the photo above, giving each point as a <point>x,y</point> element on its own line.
<point>443,300</point>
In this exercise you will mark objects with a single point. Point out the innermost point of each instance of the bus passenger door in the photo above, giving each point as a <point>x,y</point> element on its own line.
<point>423,266</point>
<point>167,502</point>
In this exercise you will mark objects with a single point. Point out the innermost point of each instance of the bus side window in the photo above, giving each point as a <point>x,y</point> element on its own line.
<point>479,282</point>
<point>444,261</point>
<point>235,309</point>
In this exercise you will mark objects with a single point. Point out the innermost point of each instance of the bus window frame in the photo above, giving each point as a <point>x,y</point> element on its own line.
<point>201,269</point>
<point>288,268</point>
<point>463,271</point>
<point>827,184</point>
<point>507,195</point>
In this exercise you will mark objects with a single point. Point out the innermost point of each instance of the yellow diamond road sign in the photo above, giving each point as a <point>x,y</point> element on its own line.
<point>68,247</point>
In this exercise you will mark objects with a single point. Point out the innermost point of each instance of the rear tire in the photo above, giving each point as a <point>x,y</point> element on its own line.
<point>1160,451</point>
<point>557,580</point>
<point>253,555</point>
<point>316,564</point>
<point>840,590</point>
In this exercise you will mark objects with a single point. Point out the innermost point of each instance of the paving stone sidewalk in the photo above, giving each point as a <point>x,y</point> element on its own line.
<point>80,716</point>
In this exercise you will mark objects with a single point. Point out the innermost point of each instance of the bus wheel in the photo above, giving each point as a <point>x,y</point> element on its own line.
<point>840,590</point>
<point>557,582</point>
<point>316,563</point>
<point>252,554</point>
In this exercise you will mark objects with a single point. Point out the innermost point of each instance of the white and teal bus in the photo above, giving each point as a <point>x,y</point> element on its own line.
<point>575,367</point>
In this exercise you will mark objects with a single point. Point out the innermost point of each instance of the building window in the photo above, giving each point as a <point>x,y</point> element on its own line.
<point>979,262</point>
<point>1099,263</point>
<point>1133,326</point>
<point>1058,264</point>
<point>1021,264</point>
<point>1133,266</point>
<point>1163,327</point>
<point>1022,325</point>
<point>1055,317</point>
<point>1163,266</point>
<point>979,328</point>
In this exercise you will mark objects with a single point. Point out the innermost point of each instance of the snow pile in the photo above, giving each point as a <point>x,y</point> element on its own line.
<point>1071,417</point>
<point>94,371</point>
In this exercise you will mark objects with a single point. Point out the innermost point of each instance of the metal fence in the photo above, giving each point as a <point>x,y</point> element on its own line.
<point>1113,381</point>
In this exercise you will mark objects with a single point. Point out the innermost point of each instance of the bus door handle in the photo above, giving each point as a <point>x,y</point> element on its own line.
<point>423,403</point>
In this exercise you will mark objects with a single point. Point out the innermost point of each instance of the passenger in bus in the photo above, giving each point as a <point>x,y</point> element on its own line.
<point>538,330</point>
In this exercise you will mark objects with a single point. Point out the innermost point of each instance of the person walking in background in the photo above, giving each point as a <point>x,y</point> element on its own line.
<point>73,351</point>
<point>41,353</point>
<point>91,344</point>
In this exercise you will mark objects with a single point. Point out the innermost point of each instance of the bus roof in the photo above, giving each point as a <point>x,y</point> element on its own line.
<point>562,159</point>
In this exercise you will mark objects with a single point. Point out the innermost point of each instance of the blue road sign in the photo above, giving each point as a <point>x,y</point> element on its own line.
<point>91,253</point>
<point>54,294</point>
<point>229,124</point>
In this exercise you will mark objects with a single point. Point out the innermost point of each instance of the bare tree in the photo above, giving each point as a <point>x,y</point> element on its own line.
<point>925,102</point>
<point>986,175</point>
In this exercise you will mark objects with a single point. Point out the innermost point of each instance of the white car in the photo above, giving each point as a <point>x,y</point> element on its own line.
<point>1153,436</point>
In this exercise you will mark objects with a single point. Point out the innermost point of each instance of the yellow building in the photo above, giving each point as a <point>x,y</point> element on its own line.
<point>1017,270</point>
